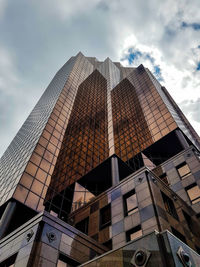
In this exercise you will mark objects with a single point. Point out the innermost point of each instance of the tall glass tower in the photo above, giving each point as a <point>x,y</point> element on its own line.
<point>97,127</point>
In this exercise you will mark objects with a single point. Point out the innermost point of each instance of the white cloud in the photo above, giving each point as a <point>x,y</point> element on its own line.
<point>157,30</point>
<point>42,35</point>
<point>181,83</point>
<point>191,109</point>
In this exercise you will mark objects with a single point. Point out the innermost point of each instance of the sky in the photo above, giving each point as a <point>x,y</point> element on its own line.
<point>38,37</point>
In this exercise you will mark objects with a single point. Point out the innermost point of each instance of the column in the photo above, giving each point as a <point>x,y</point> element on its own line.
<point>115,170</point>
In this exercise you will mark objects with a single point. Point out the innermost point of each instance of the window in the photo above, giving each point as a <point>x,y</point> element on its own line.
<point>169,206</point>
<point>105,217</point>
<point>83,225</point>
<point>130,203</point>
<point>64,261</point>
<point>193,192</point>
<point>108,244</point>
<point>134,233</point>
<point>188,220</point>
<point>164,178</point>
<point>9,262</point>
<point>183,170</point>
<point>178,235</point>
<point>190,223</point>
<point>81,196</point>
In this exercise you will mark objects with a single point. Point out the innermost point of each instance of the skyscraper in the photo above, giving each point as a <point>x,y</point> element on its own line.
<point>105,153</point>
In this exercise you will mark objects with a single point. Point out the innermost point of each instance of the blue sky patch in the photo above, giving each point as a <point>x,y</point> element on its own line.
<point>136,54</point>
<point>194,26</point>
<point>157,73</point>
<point>150,58</point>
<point>133,55</point>
<point>198,66</point>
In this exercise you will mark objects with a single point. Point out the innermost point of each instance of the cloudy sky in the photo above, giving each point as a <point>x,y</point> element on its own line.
<point>38,37</point>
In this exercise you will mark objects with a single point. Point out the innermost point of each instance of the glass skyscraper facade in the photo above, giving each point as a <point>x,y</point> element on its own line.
<point>96,127</point>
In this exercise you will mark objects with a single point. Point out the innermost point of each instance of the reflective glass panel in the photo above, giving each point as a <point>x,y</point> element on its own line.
<point>183,170</point>
<point>130,203</point>
<point>194,193</point>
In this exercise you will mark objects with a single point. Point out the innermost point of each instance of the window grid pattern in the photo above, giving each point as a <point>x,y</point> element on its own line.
<point>35,180</point>
<point>44,155</point>
<point>131,132</point>
<point>176,112</point>
<point>15,158</point>
<point>140,116</point>
<point>85,144</point>
<point>156,112</point>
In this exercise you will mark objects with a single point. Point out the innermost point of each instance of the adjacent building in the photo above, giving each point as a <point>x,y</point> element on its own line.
<point>105,158</point>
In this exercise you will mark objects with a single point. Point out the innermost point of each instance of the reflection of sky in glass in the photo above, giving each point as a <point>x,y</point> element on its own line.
<point>61,264</point>
<point>184,170</point>
<point>81,196</point>
<point>135,235</point>
<point>131,203</point>
<point>105,215</point>
<point>194,194</point>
